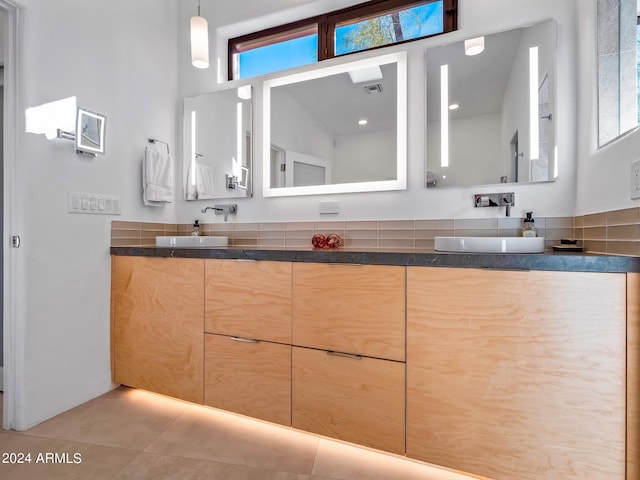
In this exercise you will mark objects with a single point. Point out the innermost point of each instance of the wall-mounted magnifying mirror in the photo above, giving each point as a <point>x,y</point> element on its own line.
<point>90,132</point>
<point>217,144</point>
<point>491,115</point>
<point>336,129</point>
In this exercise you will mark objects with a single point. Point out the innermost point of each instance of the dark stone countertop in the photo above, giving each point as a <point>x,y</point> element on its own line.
<point>553,261</point>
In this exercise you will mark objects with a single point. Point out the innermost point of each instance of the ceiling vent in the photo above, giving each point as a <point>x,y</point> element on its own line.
<point>373,89</point>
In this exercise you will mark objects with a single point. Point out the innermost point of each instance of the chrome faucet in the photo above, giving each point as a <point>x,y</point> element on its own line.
<point>223,210</point>
<point>506,199</point>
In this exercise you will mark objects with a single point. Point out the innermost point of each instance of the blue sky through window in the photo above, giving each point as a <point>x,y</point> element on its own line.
<point>416,22</point>
<point>279,56</point>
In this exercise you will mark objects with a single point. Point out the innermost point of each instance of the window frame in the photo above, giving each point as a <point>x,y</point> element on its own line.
<point>326,25</point>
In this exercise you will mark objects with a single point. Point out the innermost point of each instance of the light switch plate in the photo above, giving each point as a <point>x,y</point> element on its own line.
<point>93,204</point>
<point>635,180</point>
<point>329,207</point>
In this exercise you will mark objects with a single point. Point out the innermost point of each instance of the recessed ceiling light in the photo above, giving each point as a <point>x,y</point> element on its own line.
<point>363,122</point>
<point>454,106</point>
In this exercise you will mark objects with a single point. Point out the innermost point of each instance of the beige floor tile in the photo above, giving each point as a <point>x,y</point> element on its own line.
<point>213,435</point>
<point>148,466</point>
<point>94,462</point>
<point>338,461</point>
<point>124,418</point>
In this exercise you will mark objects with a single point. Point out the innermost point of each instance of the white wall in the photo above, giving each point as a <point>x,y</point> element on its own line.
<point>603,174</point>
<point>476,17</point>
<point>119,59</point>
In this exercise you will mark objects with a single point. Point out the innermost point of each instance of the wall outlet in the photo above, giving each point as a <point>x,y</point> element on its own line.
<point>635,180</point>
<point>329,207</point>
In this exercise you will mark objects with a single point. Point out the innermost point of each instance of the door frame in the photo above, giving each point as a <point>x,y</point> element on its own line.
<point>13,314</point>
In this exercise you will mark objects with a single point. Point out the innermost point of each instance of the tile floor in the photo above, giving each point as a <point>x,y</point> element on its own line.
<point>131,434</point>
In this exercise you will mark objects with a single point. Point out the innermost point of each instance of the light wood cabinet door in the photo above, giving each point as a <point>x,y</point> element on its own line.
<point>158,325</point>
<point>350,308</point>
<point>249,299</point>
<point>633,376</point>
<point>358,400</point>
<point>517,374</point>
<point>251,378</point>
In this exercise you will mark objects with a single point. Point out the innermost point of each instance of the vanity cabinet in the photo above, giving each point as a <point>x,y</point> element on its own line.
<point>508,374</point>
<point>248,338</point>
<point>514,374</point>
<point>349,381</point>
<point>158,325</point>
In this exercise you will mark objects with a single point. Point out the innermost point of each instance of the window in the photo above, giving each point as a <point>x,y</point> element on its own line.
<point>277,51</point>
<point>618,68</point>
<point>369,25</point>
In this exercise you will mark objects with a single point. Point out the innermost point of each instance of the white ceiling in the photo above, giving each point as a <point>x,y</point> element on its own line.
<point>338,103</point>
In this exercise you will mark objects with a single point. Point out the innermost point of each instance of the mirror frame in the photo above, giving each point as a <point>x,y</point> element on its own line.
<point>400,183</point>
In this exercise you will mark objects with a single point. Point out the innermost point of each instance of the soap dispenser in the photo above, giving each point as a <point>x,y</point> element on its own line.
<point>529,230</point>
<point>196,229</point>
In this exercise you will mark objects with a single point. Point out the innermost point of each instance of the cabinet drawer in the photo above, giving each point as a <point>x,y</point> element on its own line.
<point>158,325</point>
<point>248,299</point>
<point>253,379</point>
<point>350,308</point>
<point>357,400</point>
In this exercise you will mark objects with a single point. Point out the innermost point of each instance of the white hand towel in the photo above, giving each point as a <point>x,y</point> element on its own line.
<point>157,176</point>
<point>192,192</point>
<point>204,182</point>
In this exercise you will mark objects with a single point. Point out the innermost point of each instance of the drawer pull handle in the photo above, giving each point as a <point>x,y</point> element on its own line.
<point>345,355</point>
<point>244,340</point>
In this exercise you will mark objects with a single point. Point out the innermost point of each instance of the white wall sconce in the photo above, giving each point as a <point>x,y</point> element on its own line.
<point>474,46</point>
<point>199,41</point>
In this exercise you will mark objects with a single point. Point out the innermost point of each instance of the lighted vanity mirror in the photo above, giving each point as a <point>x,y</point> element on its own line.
<point>337,129</point>
<point>494,112</point>
<point>90,130</point>
<point>217,144</point>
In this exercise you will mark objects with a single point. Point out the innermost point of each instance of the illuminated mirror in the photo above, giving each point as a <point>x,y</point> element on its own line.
<point>491,111</point>
<point>217,160</point>
<point>336,129</point>
<point>90,130</point>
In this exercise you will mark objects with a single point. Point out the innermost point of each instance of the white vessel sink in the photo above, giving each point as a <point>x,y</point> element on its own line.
<point>192,242</point>
<point>490,244</point>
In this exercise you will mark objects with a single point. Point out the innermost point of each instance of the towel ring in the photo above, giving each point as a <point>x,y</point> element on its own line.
<point>155,140</point>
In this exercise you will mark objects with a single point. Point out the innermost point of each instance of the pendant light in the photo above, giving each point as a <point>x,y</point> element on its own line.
<point>199,41</point>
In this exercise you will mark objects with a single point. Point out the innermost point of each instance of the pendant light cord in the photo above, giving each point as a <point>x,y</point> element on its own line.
<point>198,7</point>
